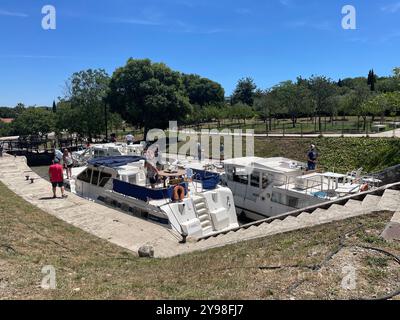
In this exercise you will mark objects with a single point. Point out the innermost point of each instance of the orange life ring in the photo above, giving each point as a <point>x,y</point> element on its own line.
<point>364,187</point>
<point>179,193</point>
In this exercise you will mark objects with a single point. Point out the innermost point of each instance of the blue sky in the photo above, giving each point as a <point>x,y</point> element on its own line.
<point>224,40</point>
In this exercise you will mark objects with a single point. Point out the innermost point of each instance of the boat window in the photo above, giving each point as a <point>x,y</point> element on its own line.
<point>104,178</point>
<point>265,181</point>
<point>241,178</point>
<point>276,197</point>
<point>292,202</point>
<point>255,179</point>
<point>132,179</point>
<point>85,175</point>
<point>95,177</point>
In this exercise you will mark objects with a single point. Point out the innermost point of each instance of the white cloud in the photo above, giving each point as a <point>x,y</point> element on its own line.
<point>28,56</point>
<point>12,14</point>
<point>133,21</point>
<point>391,8</point>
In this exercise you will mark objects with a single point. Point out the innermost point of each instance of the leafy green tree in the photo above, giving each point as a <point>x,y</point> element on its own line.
<point>245,92</point>
<point>241,111</point>
<point>34,121</point>
<point>68,119</point>
<point>148,94</point>
<point>115,121</point>
<point>358,97</point>
<point>20,108</point>
<point>203,91</point>
<point>322,90</point>
<point>86,93</point>
<point>212,113</point>
<point>396,72</point>
<point>371,79</point>
<point>6,112</point>
<point>295,98</point>
<point>5,129</point>
<point>266,106</point>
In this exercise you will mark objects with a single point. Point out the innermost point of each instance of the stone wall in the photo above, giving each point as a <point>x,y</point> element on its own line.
<point>389,175</point>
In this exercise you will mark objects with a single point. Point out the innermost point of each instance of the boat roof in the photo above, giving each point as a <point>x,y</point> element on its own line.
<point>277,164</point>
<point>115,161</point>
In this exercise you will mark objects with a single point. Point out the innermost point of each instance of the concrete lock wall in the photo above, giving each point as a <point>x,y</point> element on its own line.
<point>389,175</point>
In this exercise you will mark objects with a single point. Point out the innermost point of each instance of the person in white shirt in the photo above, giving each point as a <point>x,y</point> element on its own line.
<point>130,139</point>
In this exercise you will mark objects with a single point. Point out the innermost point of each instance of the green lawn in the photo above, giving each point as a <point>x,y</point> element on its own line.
<point>303,125</point>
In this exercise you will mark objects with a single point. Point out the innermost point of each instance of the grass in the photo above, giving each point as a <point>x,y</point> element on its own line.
<point>304,125</point>
<point>90,268</point>
<point>336,154</point>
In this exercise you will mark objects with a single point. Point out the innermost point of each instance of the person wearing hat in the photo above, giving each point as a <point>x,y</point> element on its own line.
<point>56,173</point>
<point>312,157</point>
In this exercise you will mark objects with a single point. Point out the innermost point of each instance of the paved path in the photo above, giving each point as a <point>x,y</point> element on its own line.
<point>106,223</point>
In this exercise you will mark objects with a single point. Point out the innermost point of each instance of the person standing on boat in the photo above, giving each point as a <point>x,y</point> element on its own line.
<point>130,139</point>
<point>312,157</point>
<point>68,163</point>
<point>56,174</point>
<point>152,174</point>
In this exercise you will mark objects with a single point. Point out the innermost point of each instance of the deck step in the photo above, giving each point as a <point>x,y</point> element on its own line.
<point>201,212</point>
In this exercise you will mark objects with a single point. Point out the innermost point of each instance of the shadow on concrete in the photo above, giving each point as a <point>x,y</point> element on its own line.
<point>48,198</point>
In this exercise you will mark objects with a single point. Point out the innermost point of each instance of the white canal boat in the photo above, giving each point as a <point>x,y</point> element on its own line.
<point>194,206</point>
<point>266,187</point>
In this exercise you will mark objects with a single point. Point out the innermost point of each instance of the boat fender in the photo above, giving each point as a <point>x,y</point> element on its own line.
<point>364,187</point>
<point>179,193</point>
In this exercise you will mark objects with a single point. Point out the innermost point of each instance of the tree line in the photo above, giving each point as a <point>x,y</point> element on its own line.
<point>148,95</point>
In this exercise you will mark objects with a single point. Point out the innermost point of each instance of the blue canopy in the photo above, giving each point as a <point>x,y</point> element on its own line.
<point>114,161</point>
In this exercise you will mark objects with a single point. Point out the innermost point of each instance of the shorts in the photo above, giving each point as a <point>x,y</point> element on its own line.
<point>153,180</point>
<point>59,184</point>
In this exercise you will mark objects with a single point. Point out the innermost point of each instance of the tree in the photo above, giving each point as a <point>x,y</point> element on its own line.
<point>358,97</point>
<point>148,94</point>
<point>241,111</point>
<point>244,92</point>
<point>54,107</point>
<point>20,108</point>
<point>203,91</point>
<point>294,98</point>
<point>322,90</point>
<point>6,112</point>
<point>396,72</point>
<point>86,92</point>
<point>371,79</point>
<point>34,121</point>
<point>266,106</point>
<point>213,113</point>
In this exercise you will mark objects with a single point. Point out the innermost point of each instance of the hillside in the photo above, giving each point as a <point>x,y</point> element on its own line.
<point>305,264</point>
<point>339,154</point>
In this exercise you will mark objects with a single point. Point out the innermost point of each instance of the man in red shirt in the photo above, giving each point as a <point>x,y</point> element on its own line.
<point>56,173</point>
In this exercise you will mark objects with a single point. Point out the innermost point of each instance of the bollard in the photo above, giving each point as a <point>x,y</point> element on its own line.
<point>27,178</point>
